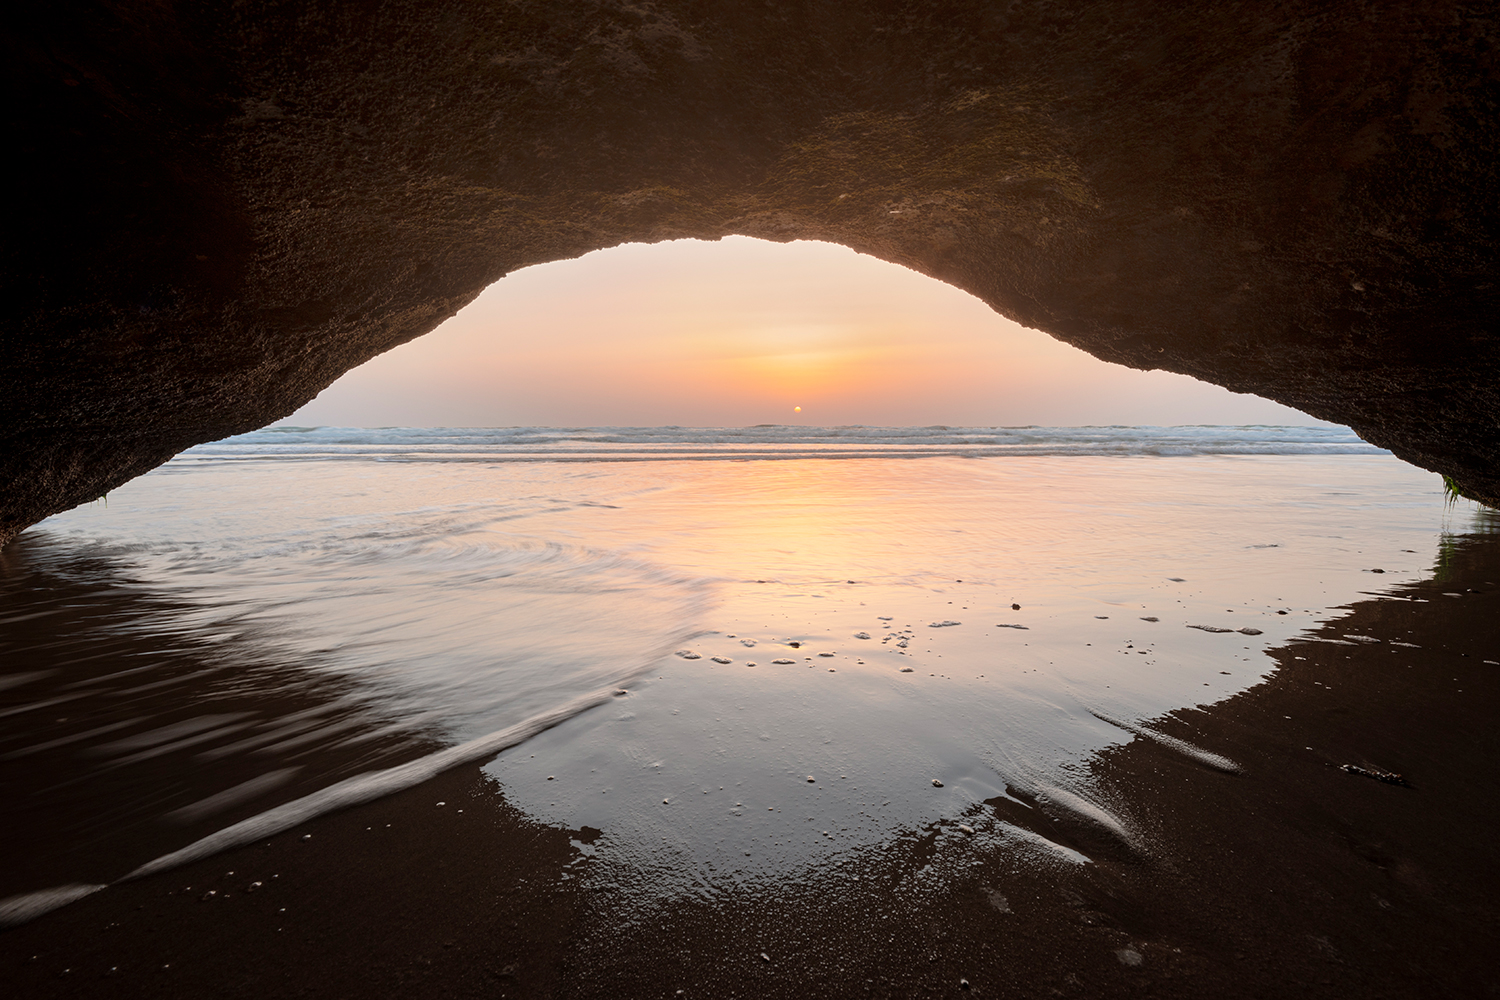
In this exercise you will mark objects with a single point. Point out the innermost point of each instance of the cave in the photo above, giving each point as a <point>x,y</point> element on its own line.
<point>219,208</point>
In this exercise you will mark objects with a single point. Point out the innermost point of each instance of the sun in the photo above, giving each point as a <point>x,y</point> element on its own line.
<point>796,409</point>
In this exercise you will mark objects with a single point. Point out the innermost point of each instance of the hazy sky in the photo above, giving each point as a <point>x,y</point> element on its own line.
<point>742,332</point>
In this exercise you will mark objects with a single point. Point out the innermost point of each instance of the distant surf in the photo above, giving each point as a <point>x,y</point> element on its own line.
<point>773,441</point>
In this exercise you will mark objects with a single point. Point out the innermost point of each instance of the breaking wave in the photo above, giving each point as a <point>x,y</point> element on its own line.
<point>775,441</point>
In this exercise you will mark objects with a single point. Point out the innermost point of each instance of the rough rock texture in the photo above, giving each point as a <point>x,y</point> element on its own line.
<point>218,207</point>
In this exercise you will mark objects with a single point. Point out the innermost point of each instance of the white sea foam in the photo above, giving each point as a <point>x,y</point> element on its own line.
<point>367,787</point>
<point>1213,760</point>
<point>17,910</point>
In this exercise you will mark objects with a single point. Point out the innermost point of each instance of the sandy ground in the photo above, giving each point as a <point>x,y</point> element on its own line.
<point>1294,877</point>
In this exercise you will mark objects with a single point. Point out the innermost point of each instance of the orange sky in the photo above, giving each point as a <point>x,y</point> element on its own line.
<point>741,332</point>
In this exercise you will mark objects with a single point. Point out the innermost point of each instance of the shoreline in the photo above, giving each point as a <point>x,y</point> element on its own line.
<point>1294,877</point>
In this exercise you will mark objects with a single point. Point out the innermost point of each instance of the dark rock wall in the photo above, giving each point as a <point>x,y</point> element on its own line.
<point>219,207</point>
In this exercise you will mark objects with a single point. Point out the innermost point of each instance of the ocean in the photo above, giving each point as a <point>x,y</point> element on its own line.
<point>732,655</point>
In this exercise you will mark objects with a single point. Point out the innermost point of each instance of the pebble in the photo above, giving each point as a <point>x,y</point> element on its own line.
<point>936,783</point>
<point>907,670</point>
<point>861,635</point>
<point>747,642</point>
<point>1129,956</point>
<point>1211,628</point>
<point>885,618</point>
<point>1150,619</point>
<point>441,804</point>
<point>943,624</point>
<point>783,661</point>
<point>811,779</point>
<point>966,828</point>
<point>1022,627</point>
<point>307,836</point>
<point>749,663</point>
<point>1248,631</point>
<point>1015,607</point>
<point>825,654</point>
<point>763,954</point>
<point>963,984</point>
<point>722,659</point>
<point>688,654</point>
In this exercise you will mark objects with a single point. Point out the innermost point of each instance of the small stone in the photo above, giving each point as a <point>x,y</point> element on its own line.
<point>1249,631</point>
<point>722,659</point>
<point>550,777</point>
<point>1015,607</point>
<point>963,984</point>
<point>307,836</point>
<point>825,654</point>
<point>688,654</point>
<point>763,955</point>
<point>936,783</point>
<point>747,642</point>
<point>861,635</point>
<point>966,828</point>
<point>907,670</point>
<point>441,804</point>
<point>1150,619</point>
<point>783,661</point>
<point>1129,956</point>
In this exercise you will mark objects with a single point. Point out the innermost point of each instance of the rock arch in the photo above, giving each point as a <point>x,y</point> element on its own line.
<point>223,206</point>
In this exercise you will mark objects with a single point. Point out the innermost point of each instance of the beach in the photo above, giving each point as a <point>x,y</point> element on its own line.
<point>1100,723</point>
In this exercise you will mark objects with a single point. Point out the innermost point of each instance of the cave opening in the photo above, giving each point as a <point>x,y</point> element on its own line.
<point>745,331</point>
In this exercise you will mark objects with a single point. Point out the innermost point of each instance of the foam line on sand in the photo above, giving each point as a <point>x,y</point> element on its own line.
<point>1203,757</point>
<point>361,788</point>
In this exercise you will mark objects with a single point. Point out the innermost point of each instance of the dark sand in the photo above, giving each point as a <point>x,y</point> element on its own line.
<point>1292,879</point>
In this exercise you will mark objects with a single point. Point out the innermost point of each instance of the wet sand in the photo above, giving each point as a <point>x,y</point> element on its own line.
<point>1294,877</point>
